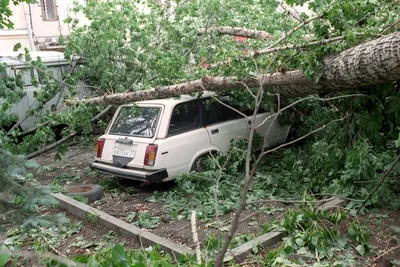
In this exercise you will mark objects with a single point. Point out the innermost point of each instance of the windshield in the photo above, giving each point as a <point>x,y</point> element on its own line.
<point>136,121</point>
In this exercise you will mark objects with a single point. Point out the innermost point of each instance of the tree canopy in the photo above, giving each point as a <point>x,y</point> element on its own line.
<point>6,12</point>
<point>141,46</point>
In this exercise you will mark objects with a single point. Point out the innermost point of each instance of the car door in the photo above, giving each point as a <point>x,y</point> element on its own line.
<point>185,139</point>
<point>267,124</point>
<point>223,124</point>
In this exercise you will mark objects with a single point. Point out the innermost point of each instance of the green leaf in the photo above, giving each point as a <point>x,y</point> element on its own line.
<point>288,250</point>
<point>395,262</point>
<point>82,258</point>
<point>299,242</point>
<point>341,241</point>
<point>351,231</point>
<point>361,249</point>
<point>17,47</point>
<point>119,255</point>
<point>93,263</point>
<point>32,164</point>
<point>255,249</point>
<point>5,256</point>
<point>174,215</point>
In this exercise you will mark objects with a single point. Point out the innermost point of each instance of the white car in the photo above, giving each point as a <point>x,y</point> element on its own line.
<point>156,140</point>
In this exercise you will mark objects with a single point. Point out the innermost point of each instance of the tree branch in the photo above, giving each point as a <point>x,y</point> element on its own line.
<point>195,236</point>
<point>290,201</point>
<point>63,83</point>
<point>291,11</point>
<point>249,176</point>
<point>50,147</point>
<point>280,40</point>
<point>236,31</point>
<point>304,136</point>
<point>294,47</point>
<point>384,176</point>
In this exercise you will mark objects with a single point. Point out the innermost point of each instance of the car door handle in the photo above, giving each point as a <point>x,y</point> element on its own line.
<point>124,141</point>
<point>215,131</point>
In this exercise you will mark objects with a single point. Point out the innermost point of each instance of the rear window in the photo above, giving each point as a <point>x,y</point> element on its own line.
<point>136,121</point>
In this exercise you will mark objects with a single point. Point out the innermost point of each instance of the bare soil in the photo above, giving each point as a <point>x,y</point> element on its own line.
<point>133,197</point>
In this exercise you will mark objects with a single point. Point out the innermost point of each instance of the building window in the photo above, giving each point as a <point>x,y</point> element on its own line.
<point>49,9</point>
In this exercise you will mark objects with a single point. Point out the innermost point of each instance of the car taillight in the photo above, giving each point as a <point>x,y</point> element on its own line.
<point>99,147</point>
<point>150,156</point>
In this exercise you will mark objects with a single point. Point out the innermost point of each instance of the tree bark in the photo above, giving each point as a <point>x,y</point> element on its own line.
<point>374,62</point>
<point>235,31</point>
<point>50,147</point>
<point>291,11</point>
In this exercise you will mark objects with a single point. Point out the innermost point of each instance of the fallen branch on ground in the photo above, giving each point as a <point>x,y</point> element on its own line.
<point>195,237</point>
<point>48,255</point>
<point>289,201</point>
<point>66,138</point>
<point>386,252</point>
<point>50,147</point>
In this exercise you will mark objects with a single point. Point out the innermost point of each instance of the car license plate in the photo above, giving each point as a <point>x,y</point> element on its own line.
<point>124,152</point>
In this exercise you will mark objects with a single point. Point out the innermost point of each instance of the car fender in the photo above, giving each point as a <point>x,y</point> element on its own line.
<point>203,152</point>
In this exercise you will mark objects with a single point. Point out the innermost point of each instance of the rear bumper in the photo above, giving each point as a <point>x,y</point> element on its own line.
<point>145,176</point>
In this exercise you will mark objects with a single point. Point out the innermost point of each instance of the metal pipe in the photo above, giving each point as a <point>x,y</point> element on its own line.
<point>27,22</point>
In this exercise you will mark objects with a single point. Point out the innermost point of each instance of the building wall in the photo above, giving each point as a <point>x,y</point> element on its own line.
<point>29,17</point>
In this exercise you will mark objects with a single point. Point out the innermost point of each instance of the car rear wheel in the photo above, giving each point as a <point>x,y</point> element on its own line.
<point>201,163</point>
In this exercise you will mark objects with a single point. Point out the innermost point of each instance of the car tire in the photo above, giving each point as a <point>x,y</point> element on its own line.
<point>96,128</point>
<point>92,192</point>
<point>200,164</point>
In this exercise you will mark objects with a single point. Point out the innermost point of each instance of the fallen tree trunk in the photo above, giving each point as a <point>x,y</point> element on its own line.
<point>370,63</point>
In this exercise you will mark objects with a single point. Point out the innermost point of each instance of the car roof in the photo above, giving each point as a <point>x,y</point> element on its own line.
<point>174,101</point>
<point>11,58</point>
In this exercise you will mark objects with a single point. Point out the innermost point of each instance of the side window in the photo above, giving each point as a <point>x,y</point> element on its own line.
<point>54,72</point>
<point>185,117</point>
<point>27,75</point>
<point>215,112</point>
<point>3,72</point>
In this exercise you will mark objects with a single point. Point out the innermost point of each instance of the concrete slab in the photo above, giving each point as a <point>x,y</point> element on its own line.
<point>333,204</point>
<point>241,252</point>
<point>146,238</point>
<point>94,215</point>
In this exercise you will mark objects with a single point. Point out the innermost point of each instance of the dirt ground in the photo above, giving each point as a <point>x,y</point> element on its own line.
<point>132,199</point>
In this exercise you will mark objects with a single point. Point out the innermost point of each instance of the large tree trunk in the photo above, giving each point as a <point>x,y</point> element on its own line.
<point>370,63</point>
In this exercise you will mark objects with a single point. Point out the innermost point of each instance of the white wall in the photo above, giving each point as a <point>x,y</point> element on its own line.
<point>41,29</point>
